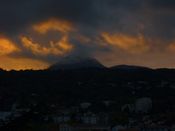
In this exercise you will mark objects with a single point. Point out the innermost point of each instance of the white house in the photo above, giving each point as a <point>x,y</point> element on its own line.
<point>5,116</point>
<point>61,118</point>
<point>85,105</point>
<point>143,105</point>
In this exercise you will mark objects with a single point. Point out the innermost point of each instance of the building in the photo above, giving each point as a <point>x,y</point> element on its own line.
<point>155,128</point>
<point>84,127</point>
<point>143,105</point>
<point>89,119</point>
<point>61,118</point>
<point>85,105</point>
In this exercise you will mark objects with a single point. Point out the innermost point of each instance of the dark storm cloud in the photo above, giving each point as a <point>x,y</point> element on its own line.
<point>169,4</point>
<point>152,18</point>
<point>17,14</point>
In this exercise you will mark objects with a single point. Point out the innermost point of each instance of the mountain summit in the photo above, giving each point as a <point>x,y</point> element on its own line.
<point>68,63</point>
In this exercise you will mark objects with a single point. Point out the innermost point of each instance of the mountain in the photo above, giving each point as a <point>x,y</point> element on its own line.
<point>130,68</point>
<point>69,63</point>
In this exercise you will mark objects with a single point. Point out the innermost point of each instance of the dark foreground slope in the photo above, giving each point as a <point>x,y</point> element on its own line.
<point>40,90</point>
<point>50,86</point>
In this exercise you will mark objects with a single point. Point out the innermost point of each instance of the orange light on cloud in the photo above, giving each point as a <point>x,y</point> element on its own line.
<point>7,47</point>
<point>59,47</point>
<point>131,44</point>
<point>55,48</point>
<point>83,39</point>
<point>9,63</point>
<point>171,47</point>
<point>54,25</point>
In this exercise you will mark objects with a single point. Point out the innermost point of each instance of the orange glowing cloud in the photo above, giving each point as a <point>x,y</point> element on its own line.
<point>83,39</point>
<point>55,48</point>
<point>131,44</point>
<point>53,25</point>
<point>59,47</point>
<point>7,47</point>
<point>9,63</point>
<point>171,47</point>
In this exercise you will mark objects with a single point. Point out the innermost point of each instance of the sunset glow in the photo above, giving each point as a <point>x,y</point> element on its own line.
<point>124,30</point>
<point>9,63</point>
<point>7,47</point>
<point>132,44</point>
<point>57,48</point>
<point>53,25</point>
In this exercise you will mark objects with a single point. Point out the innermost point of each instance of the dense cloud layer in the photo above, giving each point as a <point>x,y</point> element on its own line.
<point>115,31</point>
<point>18,14</point>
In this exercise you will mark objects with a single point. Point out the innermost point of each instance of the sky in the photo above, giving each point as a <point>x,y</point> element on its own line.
<point>36,33</point>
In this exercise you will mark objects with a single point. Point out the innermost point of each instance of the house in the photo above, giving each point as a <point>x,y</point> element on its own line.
<point>5,117</point>
<point>61,118</point>
<point>155,128</point>
<point>143,105</point>
<point>118,128</point>
<point>84,127</point>
<point>85,105</point>
<point>58,118</point>
<point>108,103</point>
<point>89,119</point>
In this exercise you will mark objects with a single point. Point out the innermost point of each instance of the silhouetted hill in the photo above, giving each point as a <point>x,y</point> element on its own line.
<point>130,68</point>
<point>71,63</point>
